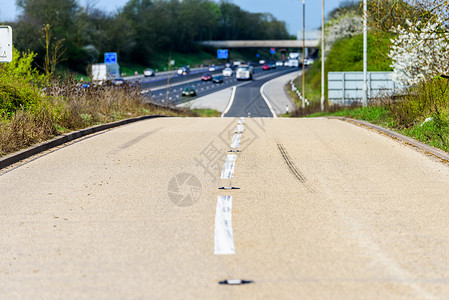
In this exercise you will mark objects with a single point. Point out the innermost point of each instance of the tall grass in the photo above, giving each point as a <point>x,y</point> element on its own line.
<point>34,108</point>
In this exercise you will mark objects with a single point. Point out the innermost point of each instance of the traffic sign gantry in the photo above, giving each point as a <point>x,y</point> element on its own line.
<point>5,44</point>
<point>110,58</point>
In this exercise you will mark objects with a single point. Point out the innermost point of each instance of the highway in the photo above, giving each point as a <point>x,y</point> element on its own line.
<point>162,91</point>
<point>159,209</point>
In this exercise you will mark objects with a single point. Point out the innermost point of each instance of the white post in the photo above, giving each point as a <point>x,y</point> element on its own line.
<point>365,100</point>
<point>322,56</point>
<point>303,52</point>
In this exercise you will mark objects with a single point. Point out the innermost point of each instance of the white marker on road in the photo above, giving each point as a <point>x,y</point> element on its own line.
<point>228,167</point>
<point>236,140</point>
<point>224,237</point>
<point>239,128</point>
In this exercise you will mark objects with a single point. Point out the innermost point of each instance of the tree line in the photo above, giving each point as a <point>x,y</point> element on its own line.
<point>62,31</point>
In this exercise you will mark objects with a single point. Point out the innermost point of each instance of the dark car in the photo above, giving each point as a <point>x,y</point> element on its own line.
<point>266,67</point>
<point>206,77</point>
<point>272,65</point>
<point>217,79</point>
<point>118,81</point>
<point>189,91</point>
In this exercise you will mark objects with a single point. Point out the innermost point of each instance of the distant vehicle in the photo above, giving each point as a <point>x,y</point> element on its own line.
<point>189,91</point>
<point>228,72</point>
<point>308,61</point>
<point>293,63</point>
<point>279,63</point>
<point>266,67</point>
<point>212,68</point>
<point>217,79</point>
<point>244,72</point>
<point>184,70</point>
<point>118,81</point>
<point>261,61</point>
<point>148,72</point>
<point>236,63</point>
<point>272,65</point>
<point>206,77</point>
<point>104,72</point>
<point>293,55</point>
<point>228,65</point>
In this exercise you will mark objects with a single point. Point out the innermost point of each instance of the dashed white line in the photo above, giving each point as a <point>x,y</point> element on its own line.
<point>236,140</point>
<point>224,237</point>
<point>228,167</point>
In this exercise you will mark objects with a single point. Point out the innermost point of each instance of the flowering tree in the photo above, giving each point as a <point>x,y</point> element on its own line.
<point>420,49</point>
<point>419,52</point>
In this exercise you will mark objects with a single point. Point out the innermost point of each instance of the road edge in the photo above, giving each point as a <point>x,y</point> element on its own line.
<point>16,157</point>
<point>267,101</point>
<point>438,153</point>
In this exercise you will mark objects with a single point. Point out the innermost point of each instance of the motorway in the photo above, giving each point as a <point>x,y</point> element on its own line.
<point>162,91</point>
<point>159,209</point>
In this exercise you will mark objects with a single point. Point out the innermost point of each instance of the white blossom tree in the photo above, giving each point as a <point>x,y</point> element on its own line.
<point>419,51</point>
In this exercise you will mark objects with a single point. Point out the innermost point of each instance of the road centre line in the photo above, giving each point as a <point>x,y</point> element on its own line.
<point>236,140</point>
<point>239,128</point>
<point>228,167</point>
<point>224,237</point>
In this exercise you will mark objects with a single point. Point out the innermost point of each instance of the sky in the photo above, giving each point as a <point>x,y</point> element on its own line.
<point>289,11</point>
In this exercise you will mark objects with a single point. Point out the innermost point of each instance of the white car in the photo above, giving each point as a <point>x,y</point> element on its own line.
<point>244,73</point>
<point>148,72</point>
<point>262,61</point>
<point>279,63</point>
<point>212,68</point>
<point>228,72</point>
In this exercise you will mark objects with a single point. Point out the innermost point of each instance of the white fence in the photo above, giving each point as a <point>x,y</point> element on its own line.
<point>346,88</point>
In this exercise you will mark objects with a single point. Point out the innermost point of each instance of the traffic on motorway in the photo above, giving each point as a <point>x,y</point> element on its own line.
<point>198,83</point>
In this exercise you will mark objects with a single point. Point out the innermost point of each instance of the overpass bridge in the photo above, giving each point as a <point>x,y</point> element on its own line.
<point>261,44</point>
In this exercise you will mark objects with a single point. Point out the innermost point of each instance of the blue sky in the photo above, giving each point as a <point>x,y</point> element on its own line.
<point>289,11</point>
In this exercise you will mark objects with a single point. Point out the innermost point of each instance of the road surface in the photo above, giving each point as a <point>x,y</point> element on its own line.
<point>320,209</point>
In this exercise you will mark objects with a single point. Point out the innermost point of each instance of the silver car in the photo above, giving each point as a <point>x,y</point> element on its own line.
<point>228,72</point>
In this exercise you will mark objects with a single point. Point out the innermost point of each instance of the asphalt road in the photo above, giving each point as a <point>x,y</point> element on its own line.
<point>172,92</point>
<point>321,209</point>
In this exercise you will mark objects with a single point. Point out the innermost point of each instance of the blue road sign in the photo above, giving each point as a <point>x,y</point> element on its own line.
<point>273,50</point>
<point>110,58</point>
<point>222,54</point>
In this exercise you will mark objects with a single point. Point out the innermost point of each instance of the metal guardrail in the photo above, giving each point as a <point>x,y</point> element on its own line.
<point>346,88</point>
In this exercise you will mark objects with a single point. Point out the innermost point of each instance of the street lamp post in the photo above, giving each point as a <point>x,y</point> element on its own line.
<point>303,52</point>
<point>322,56</point>
<point>365,100</point>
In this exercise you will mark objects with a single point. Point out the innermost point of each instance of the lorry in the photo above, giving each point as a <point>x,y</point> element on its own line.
<point>104,72</point>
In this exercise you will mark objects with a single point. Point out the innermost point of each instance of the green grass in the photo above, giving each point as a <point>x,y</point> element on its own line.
<point>207,113</point>
<point>346,55</point>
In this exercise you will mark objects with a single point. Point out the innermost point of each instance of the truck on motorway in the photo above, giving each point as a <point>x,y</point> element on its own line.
<point>244,72</point>
<point>104,72</point>
<point>292,62</point>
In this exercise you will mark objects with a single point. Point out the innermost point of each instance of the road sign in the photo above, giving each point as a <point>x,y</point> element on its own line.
<point>110,58</point>
<point>273,50</point>
<point>5,44</point>
<point>222,54</point>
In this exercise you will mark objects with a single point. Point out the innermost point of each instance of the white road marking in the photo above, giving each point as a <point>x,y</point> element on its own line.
<point>231,100</point>
<point>236,140</point>
<point>242,120</point>
<point>266,99</point>
<point>239,128</point>
<point>228,167</point>
<point>224,238</point>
